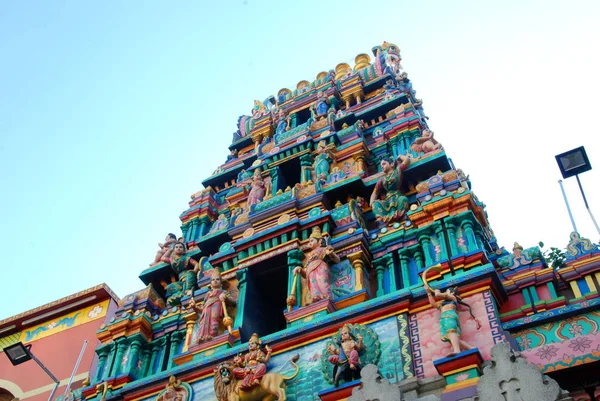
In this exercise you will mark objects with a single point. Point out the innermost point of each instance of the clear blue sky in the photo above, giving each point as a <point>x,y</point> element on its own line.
<point>112,113</point>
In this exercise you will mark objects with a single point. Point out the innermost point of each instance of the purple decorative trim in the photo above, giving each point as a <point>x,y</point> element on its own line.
<point>416,347</point>
<point>492,315</point>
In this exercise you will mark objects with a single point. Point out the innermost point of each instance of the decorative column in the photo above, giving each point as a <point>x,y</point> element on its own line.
<point>185,229</point>
<point>134,356</point>
<point>442,239</point>
<point>146,362</point>
<point>358,261</point>
<point>361,162</point>
<point>190,320</point>
<point>164,353</point>
<point>419,260</point>
<point>404,271</point>
<point>155,350</point>
<point>295,259</point>
<point>102,356</point>
<point>121,348</point>
<point>241,301</point>
<point>425,242</point>
<point>452,238</point>
<point>470,234</point>
<point>379,269</point>
<point>176,338</point>
<point>479,239</point>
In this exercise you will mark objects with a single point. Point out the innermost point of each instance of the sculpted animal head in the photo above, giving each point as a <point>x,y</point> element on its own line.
<point>224,381</point>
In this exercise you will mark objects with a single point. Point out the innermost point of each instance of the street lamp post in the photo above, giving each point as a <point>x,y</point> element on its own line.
<point>19,353</point>
<point>573,163</point>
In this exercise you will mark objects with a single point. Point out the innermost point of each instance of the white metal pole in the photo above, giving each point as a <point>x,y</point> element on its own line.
<point>567,203</point>
<point>76,367</point>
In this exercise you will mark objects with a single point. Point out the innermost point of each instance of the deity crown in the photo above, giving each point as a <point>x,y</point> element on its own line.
<point>316,233</point>
<point>256,338</point>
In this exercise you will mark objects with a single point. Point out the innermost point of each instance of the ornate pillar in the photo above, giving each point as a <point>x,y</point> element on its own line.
<point>358,261</point>
<point>241,302</point>
<point>176,338</point>
<point>419,260</point>
<point>145,362</point>
<point>164,355</point>
<point>361,162</point>
<point>190,320</point>
<point>425,242</point>
<point>102,356</point>
<point>155,350</point>
<point>404,271</point>
<point>295,258</point>
<point>442,239</point>
<point>134,355</point>
<point>470,234</point>
<point>479,239</point>
<point>121,348</point>
<point>185,229</point>
<point>452,238</point>
<point>379,269</point>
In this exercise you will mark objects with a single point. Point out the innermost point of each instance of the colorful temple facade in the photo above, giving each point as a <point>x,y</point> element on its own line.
<point>56,333</point>
<point>337,238</point>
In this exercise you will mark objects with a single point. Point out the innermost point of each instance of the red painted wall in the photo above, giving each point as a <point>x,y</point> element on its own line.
<point>59,353</point>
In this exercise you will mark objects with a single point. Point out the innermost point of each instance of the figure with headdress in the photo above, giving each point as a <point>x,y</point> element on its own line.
<point>425,143</point>
<point>213,310</point>
<point>316,269</point>
<point>449,322</point>
<point>345,355</point>
<point>387,201</point>
<point>170,240</point>
<point>322,104</point>
<point>322,163</point>
<point>282,123</point>
<point>252,366</point>
<point>257,191</point>
<point>180,263</point>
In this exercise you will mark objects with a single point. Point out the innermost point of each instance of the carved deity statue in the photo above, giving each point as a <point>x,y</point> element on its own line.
<point>316,269</point>
<point>322,105</point>
<point>426,143</point>
<point>170,240</point>
<point>257,191</point>
<point>282,123</point>
<point>180,262</point>
<point>230,377</point>
<point>322,163</point>
<point>233,154</point>
<point>175,390</point>
<point>213,311</point>
<point>387,201</point>
<point>351,348</point>
<point>449,322</point>
<point>259,109</point>
<point>345,355</point>
<point>251,368</point>
<point>173,291</point>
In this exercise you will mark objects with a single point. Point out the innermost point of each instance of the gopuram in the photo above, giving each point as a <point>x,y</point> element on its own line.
<point>338,253</point>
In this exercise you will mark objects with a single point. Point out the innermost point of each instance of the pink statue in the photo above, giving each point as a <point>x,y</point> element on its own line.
<point>316,269</point>
<point>168,244</point>
<point>347,353</point>
<point>257,192</point>
<point>252,366</point>
<point>426,143</point>
<point>212,311</point>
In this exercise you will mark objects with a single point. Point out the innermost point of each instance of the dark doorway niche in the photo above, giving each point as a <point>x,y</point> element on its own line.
<point>265,297</point>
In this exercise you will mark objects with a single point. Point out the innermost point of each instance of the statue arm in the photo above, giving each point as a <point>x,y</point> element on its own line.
<point>332,255</point>
<point>229,299</point>
<point>375,193</point>
<point>167,256</point>
<point>195,264</point>
<point>404,161</point>
<point>432,301</point>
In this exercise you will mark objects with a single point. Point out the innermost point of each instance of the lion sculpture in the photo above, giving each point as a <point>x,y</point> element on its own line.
<point>271,388</point>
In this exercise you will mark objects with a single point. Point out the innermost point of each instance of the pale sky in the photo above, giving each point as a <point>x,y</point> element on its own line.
<point>112,113</point>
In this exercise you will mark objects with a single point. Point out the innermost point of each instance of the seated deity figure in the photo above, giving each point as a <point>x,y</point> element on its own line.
<point>212,311</point>
<point>173,291</point>
<point>316,269</point>
<point>180,263</point>
<point>170,240</point>
<point>387,201</point>
<point>252,366</point>
<point>425,143</point>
